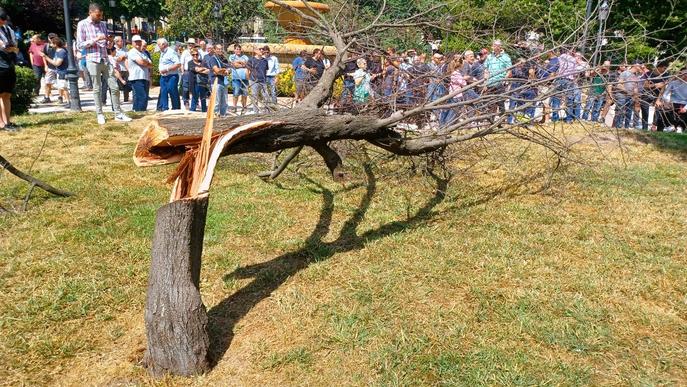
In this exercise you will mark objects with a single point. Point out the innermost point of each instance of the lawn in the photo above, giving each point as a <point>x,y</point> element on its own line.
<point>503,275</point>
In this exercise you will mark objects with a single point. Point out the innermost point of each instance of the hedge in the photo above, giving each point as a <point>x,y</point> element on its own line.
<point>23,92</point>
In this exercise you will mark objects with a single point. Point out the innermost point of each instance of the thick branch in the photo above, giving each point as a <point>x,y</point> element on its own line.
<point>34,182</point>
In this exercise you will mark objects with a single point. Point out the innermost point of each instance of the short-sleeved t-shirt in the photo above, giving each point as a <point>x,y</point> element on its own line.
<point>62,68</point>
<point>136,72</point>
<point>258,69</point>
<point>35,50</point>
<point>50,53</point>
<point>299,73</point>
<point>238,73</point>
<point>211,61</point>
<point>312,63</point>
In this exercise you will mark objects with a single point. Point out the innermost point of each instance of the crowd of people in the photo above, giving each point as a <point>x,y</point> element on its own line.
<point>557,85</point>
<point>550,86</point>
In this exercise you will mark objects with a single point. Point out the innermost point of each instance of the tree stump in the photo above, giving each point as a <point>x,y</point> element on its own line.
<point>175,317</point>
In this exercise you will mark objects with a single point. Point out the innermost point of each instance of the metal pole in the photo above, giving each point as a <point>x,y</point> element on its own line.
<point>72,71</point>
<point>599,37</point>
<point>585,34</point>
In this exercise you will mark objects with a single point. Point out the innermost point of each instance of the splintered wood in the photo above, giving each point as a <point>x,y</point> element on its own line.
<point>197,155</point>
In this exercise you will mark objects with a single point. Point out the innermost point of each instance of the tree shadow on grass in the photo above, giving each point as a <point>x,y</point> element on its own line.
<point>673,143</point>
<point>269,276</point>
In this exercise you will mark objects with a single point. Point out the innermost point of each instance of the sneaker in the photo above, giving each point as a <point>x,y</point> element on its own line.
<point>122,117</point>
<point>60,100</point>
<point>101,119</point>
<point>67,105</point>
<point>46,100</point>
<point>11,127</point>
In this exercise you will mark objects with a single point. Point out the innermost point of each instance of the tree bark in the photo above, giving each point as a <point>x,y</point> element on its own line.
<point>175,317</point>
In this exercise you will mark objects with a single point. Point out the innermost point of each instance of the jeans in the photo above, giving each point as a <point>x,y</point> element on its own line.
<point>434,92</point>
<point>593,107</point>
<point>347,92</point>
<point>523,98</point>
<point>566,88</point>
<point>221,102</point>
<point>272,89</point>
<point>86,76</point>
<point>140,90</point>
<point>258,93</point>
<point>623,111</point>
<point>199,94</point>
<point>38,72</point>
<point>169,88</point>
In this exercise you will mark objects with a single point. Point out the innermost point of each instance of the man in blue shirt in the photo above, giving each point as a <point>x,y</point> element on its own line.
<point>257,73</point>
<point>169,76</point>
<point>218,70</point>
<point>671,106</point>
<point>239,77</point>
<point>300,75</point>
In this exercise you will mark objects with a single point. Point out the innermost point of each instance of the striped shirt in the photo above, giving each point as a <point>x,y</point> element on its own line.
<point>86,34</point>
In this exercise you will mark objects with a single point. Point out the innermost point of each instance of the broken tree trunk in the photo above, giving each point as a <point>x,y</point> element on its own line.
<point>175,317</point>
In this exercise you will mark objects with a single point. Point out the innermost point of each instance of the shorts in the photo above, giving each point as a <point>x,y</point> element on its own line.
<point>50,77</point>
<point>8,80</point>
<point>62,84</point>
<point>301,86</point>
<point>239,87</point>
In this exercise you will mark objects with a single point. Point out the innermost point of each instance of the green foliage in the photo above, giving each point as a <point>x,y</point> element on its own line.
<point>23,92</point>
<point>203,23</point>
<point>155,75</point>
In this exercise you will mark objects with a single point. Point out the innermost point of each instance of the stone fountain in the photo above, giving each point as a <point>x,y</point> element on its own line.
<point>294,24</point>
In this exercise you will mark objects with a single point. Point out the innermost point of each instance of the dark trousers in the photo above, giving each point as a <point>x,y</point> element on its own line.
<point>199,95</point>
<point>669,115</point>
<point>140,90</point>
<point>126,88</point>
<point>169,89</point>
<point>38,71</point>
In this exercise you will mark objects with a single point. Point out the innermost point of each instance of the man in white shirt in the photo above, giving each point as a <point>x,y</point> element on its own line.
<point>185,74</point>
<point>272,72</point>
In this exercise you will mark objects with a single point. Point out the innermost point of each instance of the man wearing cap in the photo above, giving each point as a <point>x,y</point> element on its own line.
<point>496,69</point>
<point>50,73</point>
<point>169,76</point>
<point>139,71</point>
<point>272,72</point>
<point>91,34</point>
<point>185,74</point>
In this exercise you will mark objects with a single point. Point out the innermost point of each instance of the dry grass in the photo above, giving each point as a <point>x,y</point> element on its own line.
<point>312,283</point>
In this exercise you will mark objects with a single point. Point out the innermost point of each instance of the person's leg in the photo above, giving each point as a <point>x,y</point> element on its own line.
<point>222,96</point>
<point>644,107</point>
<point>164,92</point>
<point>555,101</point>
<point>96,80</point>
<point>194,98</point>
<point>5,109</point>
<point>235,91</point>
<point>138,91</point>
<point>114,93</point>
<point>185,88</point>
<point>173,88</point>
<point>588,107</point>
<point>619,115</point>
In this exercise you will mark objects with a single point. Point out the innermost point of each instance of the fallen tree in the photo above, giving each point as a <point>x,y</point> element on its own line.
<point>175,317</point>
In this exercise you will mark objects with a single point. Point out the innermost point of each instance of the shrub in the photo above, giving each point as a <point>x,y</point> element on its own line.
<point>155,56</point>
<point>286,87</point>
<point>23,92</point>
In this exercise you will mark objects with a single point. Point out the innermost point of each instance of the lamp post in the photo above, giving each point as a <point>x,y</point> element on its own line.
<point>217,13</point>
<point>72,71</point>
<point>122,20</point>
<point>587,20</point>
<point>604,10</point>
